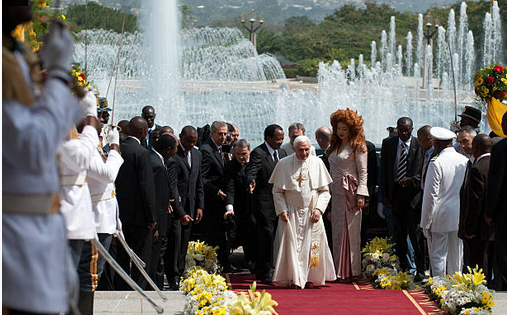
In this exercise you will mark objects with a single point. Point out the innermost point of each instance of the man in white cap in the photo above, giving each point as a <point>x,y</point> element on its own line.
<point>441,203</point>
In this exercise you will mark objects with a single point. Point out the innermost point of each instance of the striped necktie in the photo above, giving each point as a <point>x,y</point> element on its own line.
<point>425,166</point>
<point>402,163</point>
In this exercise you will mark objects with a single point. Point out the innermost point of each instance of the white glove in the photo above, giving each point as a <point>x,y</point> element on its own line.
<point>113,136</point>
<point>56,53</point>
<point>89,104</point>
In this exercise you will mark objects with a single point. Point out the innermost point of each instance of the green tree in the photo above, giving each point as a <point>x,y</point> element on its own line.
<point>94,15</point>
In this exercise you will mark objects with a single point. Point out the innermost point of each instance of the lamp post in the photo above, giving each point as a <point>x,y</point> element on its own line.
<point>428,35</point>
<point>251,27</point>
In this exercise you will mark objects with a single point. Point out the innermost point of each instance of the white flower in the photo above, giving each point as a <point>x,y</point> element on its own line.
<point>375,257</point>
<point>385,257</point>
<point>199,257</point>
<point>370,268</point>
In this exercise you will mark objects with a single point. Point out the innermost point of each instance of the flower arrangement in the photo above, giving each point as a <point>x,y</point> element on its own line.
<point>202,255</point>
<point>378,254</point>
<point>80,75</point>
<point>207,292</point>
<point>491,82</point>
<point>461,293</point>
<point>253,303</point>
<point>390,279</point>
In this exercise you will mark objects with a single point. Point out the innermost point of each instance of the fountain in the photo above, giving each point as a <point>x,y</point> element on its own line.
<point>200,75</point>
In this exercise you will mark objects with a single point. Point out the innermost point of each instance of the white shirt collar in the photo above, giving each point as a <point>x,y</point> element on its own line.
<point>135,138</point>
<point>159,155</point>
<point>482,156</point>
<point>270,149</point>
<point>407,143</point>
<point>153,127</point>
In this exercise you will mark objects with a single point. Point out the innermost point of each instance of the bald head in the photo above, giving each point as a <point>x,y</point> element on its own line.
<point>166,130</point>
<point>323,137</point>
<point>481,144</point>
<point>137,127</point>
<point>424,137</point>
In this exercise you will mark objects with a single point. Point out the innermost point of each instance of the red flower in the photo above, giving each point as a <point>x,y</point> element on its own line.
<point>476,92</point>
<point>490,80</point>
<point>498,69</point>
<point>500,94</point>
<point>477,73</point>
<point>83,76</point>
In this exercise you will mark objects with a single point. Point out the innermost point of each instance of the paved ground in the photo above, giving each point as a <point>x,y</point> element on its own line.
<point>130,302</point>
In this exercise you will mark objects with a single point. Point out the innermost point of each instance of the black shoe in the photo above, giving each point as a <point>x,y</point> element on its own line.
<point>418,277</point>
<point>268,280</point>
<point>249,265</point>
<point>231,269</point>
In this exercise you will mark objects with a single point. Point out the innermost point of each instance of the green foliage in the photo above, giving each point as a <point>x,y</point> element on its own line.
<point>290,72</point>
<point>100,17</point>
<point>308,67</point>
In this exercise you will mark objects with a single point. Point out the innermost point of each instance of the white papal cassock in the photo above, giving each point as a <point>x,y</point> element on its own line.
<point>299,187</point>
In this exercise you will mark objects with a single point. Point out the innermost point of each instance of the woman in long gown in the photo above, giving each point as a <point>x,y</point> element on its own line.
<point>348,165</point>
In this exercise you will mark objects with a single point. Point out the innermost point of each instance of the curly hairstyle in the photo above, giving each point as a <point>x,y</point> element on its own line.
<point>356,133</point>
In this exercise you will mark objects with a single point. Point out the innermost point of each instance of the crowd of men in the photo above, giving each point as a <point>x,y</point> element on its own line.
<point>159,189</point>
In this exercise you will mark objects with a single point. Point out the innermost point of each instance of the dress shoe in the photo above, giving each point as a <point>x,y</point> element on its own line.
<point>268,280</point>
<point>309,285</point>
<point>231,269</point>
<point>418,277</point>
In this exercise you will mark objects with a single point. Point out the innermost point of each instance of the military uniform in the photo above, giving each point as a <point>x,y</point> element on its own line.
<point>35,258</point>
<point>440,208</point>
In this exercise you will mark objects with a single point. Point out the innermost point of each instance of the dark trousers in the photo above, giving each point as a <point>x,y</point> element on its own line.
<point>245,230</point>
<point>185,238</point>
<point>266,228</point>
<point>500,231</point>
<point>92,263</point>
<point>406,221</point>
<point>76,248</point>
<point>156,269</point>
<point>172,252</point>
<point>474,253</point>
<point>139,239</point>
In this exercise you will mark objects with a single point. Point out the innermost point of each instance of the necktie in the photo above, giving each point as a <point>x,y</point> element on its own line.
<point>275,156</point>
<point>402,163</point>
<point>189,158</point>
<point>148,141</point>
<point>221,155</point>
<point>425,166</point>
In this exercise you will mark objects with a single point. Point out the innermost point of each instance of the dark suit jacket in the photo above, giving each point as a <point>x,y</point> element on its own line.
<point>135,186</point>
<point>473,201</point>
<point>190,186</point>
<point>162,192</point>
<point>213,171</point>
<point>260,168</point>
<point>236,186</point>
<point>388,157</point>
<point>497,184</point>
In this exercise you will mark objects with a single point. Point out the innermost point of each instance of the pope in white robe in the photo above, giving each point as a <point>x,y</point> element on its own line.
<point>301,194</point>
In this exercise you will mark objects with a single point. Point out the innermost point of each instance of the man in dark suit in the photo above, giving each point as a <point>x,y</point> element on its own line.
<point>185,166</point>
<point>473,229</point>
<point>163,149</point>
<point>237,201</point>
<point>135,188</point>
<point>323,137</point>
<point>496,204</point>
<point>370,209</point>
<point>401,163</point>
<point>213,170</point>
<point>148,113</point>
<point>262,163</point>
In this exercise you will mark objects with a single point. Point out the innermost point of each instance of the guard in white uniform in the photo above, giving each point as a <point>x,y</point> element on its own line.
<point>74,156</point>
<point>35,258</point>
<point>102,173</point>
<point>441,204</point>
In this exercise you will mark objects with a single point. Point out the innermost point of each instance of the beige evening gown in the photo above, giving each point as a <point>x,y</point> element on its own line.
<point>341,164</point>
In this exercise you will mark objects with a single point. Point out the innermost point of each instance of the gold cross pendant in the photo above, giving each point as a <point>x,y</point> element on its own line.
<point>300,178</point>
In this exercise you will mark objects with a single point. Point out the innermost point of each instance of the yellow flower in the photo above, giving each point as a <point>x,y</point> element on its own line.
<point>63,17</point>
<point>504,80</point>
<point>479,81</point>
<point>42,4</point>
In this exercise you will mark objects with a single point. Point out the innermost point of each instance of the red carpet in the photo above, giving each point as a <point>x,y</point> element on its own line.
<point>338,298</point>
